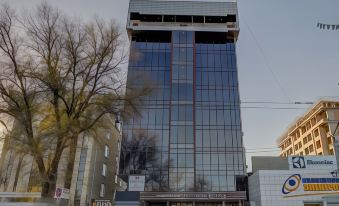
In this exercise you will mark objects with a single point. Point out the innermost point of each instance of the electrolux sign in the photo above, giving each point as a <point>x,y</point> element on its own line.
<point>312,162</point>
<point>298,185</point>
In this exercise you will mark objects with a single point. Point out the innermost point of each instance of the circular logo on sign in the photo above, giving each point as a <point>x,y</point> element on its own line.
<point>291,184</point>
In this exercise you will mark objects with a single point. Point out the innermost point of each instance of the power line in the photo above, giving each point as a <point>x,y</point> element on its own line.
<point>265,60</point>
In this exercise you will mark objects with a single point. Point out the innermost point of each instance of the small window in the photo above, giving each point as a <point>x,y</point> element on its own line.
<point>311,148</point>
<point>304,140</point>
<point>106,151</point>
<point>316,133</point>
<point>301,153</point>
<point>329,140</point>
<point>102,190</point>
<point>104,170</point>
<point>306,151</point>
<point>331,152</point>
<point>318,144</point>
<point>309,137</point>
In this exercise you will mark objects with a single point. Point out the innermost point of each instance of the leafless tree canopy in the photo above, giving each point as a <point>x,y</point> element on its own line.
<point>59,78</point>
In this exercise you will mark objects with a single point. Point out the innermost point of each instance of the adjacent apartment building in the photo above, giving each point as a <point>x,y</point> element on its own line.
<point>312,133</point>
<point>188,140</point>
<point>94,175</point>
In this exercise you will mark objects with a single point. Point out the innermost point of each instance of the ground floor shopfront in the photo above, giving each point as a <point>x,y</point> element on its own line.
<point>181,198</point>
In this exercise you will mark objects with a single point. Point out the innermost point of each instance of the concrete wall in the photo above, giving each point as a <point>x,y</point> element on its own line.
<point>269,163</point>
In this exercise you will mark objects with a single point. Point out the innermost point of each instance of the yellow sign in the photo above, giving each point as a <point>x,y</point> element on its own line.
<point>321,187</point>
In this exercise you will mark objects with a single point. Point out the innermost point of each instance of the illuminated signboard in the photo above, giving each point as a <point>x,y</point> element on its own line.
<point>312,162</point>
<point>297,185</point>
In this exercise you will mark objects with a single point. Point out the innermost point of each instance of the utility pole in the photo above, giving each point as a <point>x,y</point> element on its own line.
<point>335,138</point>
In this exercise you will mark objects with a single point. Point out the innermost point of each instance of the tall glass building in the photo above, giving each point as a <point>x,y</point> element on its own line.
<point>187,141</point>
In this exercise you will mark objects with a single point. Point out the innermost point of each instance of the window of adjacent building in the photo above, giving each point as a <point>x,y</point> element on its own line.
<point>329,140</point>
<point>308,125</point>
<point>301,153</point>
<point>298,134</point>
<point>102,190</point>
<point>311,148</point>
<point>306,151</point>
<point>104,170</point>
<point>316,133</point>
<point>304,140</point>
<point>303,129</point>
<point>106,151</point>
<point>313,121</point>
<point>296,147</point>
<point>327,129</point>
<point>295,137</point>
<point>318,144</point>
<point>309,137</point>
<point>331,152</point>
<point>320,153</point>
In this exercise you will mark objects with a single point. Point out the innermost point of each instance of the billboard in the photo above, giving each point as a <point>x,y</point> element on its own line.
<point>136,183</point>
<point>306,184</point>
<point>312,162</point>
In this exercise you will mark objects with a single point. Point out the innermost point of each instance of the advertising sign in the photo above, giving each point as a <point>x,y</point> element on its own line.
<point>61,193</point>
<point>312,162</point>
<point>101,203</point>
<point>298,185</point>
<point>136,183</point>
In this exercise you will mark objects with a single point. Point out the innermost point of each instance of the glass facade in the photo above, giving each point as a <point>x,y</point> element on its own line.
<point>191,122</point>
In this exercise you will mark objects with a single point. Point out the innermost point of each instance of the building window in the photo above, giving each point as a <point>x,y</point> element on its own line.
<point>318,144</point>
<point>301,153</point>
<point>331,152</point>
<point>106,151</point>
<point>306,151</point>
<point>303,130</point>
<point>102,190</point>
<point>320,153</point>
<point>311,148</point>
<point>304,140</point>
<point>316,133</point>
<point>329,140</point>
<point>104,170</point>
<point>309,137</point>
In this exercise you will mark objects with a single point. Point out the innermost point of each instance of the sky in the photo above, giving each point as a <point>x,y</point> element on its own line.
<point>282,57</point>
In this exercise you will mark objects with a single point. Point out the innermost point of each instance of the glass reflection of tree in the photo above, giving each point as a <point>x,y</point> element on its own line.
<point>139,156</point>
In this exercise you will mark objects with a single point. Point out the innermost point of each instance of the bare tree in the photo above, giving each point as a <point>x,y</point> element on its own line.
<point>60,77</point>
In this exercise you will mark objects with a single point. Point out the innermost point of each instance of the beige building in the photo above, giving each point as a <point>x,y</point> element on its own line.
<point>94,174</point>
<point>311,134</point>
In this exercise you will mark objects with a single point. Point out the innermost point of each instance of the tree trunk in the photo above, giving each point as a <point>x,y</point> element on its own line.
<point>71,160</point>
<point>48,188</point>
